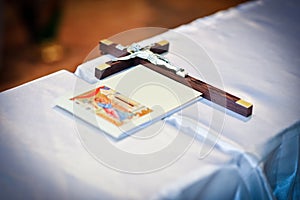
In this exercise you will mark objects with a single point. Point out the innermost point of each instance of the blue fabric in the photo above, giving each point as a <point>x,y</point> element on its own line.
<point>282,166</point>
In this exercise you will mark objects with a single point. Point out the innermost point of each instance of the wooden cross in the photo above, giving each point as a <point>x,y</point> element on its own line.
<point>210,92</point>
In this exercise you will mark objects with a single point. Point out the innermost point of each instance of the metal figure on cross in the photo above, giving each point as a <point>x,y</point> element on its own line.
<point>136,50</point>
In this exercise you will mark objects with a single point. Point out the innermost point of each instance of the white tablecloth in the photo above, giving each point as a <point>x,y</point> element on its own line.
<point>42,156</point>
<point>255,48</point>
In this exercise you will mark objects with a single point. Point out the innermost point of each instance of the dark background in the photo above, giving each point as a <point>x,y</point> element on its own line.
<point>39,37</point>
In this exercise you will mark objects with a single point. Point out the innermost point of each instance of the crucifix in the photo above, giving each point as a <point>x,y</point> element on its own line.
<point>150,56</point>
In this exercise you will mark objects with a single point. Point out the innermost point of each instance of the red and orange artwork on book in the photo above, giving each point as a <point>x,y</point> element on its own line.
<point>111,105</point>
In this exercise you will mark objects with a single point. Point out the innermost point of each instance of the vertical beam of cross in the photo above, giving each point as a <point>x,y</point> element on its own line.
<point>210,92</point>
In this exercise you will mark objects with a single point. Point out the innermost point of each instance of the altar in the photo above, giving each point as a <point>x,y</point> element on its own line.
<point>254,48</point>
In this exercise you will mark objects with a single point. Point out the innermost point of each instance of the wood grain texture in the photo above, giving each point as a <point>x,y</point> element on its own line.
<point>210,92</point>
<point>108,47</point>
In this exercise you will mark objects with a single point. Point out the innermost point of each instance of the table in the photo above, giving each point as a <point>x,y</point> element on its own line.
<point>261,45</point>
<point>254,48</point>
<point>42,155</point>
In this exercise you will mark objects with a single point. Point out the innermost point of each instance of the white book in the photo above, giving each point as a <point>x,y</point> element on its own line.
<point>128,101</point>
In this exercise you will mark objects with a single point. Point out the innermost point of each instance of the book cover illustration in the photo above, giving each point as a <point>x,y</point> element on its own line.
<point>111,105</point>
<point>154,97</point>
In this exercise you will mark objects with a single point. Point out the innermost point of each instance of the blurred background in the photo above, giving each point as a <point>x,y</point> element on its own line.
<point>39,37</point>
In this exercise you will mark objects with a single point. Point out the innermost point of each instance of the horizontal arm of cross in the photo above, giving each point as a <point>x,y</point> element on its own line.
<point>108,47</point>
<point>116,50</point>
